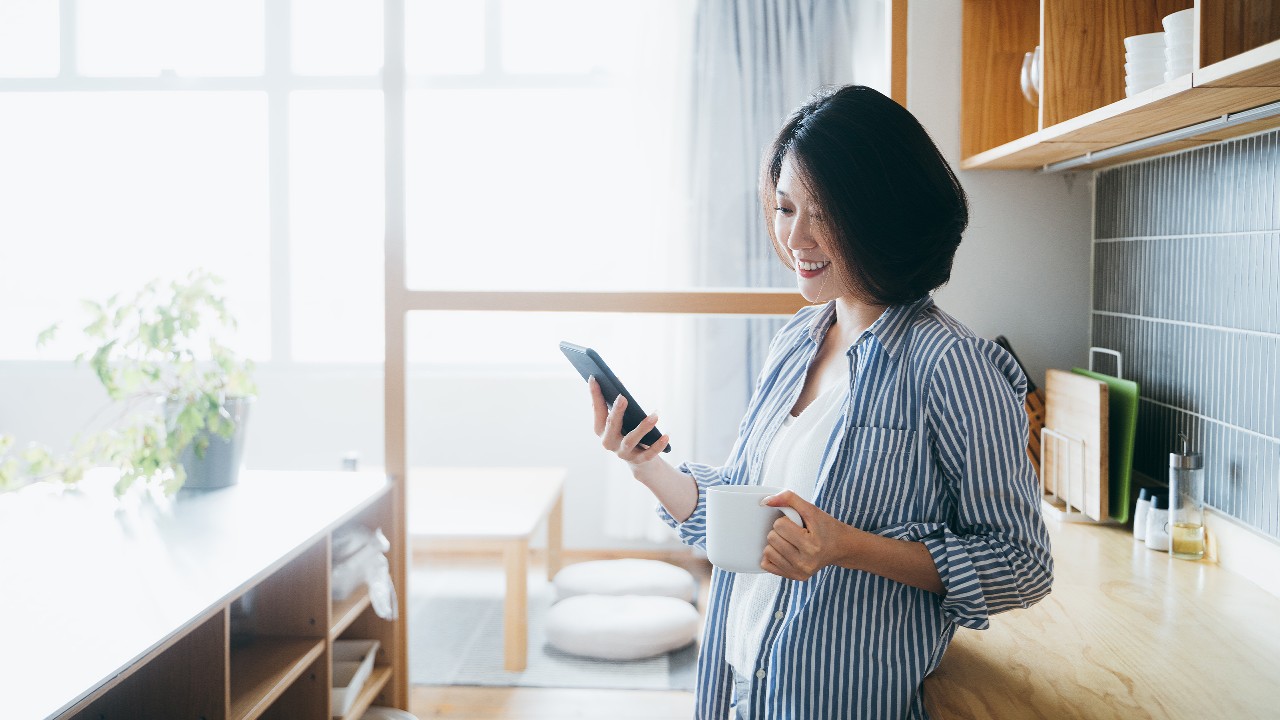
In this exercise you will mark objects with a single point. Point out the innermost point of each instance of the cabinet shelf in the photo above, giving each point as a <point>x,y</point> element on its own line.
<point>1001,134</point>
<point>264,670</point>
<point>346,611</point>
<point>377,680</point>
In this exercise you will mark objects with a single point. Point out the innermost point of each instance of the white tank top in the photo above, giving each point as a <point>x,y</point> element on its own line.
<point>793,461</point>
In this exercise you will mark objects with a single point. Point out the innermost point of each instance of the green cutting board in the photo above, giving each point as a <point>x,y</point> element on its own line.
<point>1123,421</point>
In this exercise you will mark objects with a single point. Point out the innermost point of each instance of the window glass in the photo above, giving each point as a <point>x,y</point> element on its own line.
<point>482,378</point>
<point>337,37</point>
<point>336,225</point>
<point>562,189</point>
<point>444,37</point>
<point>556,36</point>
<point>28,38</point>
<point>143,38</point>
<point>104,191</point>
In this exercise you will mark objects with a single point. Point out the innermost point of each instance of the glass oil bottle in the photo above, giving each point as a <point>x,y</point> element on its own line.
<point>1186,503</point>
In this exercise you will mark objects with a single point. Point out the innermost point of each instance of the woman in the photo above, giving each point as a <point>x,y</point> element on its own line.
<point>899,435</point>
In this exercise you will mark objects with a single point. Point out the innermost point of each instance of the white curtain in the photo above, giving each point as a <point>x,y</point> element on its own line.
<point>651,354</point>
<point>744,68</point>
<point>756,62</point>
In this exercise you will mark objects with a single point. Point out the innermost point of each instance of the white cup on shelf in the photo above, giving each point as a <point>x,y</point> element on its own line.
<point>1155,55</point>
<point>1146,41</point>
<point>1135,69</point>
<point>1181,23</point>
<point>1144,81</point>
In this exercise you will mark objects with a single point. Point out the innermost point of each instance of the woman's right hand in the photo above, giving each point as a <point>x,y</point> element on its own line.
<point>677,491</point>
<point>608,427</point>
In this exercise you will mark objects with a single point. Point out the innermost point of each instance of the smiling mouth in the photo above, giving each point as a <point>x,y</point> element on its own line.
<point>811,266</point>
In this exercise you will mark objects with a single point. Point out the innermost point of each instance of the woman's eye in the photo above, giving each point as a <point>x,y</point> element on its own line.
<point>784,211</point>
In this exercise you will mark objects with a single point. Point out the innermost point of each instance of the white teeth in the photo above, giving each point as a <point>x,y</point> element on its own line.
<point>812,265</point>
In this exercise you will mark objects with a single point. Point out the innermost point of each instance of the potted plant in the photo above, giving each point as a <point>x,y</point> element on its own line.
<point>183,395</point>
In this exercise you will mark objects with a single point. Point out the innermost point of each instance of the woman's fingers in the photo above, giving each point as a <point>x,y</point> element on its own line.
<point>612,431</point>
<point>653,450</point>
<point>608,424</point>
<point>775,562</point>
<point>599,408</point>
<point>632,439</point>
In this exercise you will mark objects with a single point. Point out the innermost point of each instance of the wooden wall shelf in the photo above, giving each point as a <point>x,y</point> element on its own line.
<point>1082,107</point>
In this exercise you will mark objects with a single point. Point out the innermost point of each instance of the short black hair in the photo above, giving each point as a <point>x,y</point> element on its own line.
<point>894,206</point>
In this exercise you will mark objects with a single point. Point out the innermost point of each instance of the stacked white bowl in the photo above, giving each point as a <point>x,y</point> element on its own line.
<point>1178,36</point>
<point>1144,62</point>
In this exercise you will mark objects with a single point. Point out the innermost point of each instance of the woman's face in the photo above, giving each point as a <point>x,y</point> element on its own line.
<point>799,226</point>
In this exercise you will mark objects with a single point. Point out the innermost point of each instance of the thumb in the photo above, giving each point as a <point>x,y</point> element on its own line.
<point>787,498</point>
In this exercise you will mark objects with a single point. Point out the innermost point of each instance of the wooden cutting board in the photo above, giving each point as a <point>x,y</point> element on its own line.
<point>1077,406</point>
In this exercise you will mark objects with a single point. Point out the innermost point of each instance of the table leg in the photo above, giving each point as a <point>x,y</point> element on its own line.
<point>515,617</point>
<point>555,536</point>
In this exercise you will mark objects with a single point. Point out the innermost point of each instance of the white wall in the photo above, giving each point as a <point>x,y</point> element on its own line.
<point>1023,269</point>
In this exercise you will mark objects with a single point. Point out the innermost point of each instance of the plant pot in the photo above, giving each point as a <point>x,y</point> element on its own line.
<point>220,466</point>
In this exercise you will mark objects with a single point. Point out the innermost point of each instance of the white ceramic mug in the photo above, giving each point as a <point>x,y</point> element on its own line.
<point>738,525</point>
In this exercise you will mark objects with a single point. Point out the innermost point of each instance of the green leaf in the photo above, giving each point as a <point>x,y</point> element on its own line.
<point>74,473</point>
<point>175,481</point>
<point>9,474</point>
<point>46,335</point>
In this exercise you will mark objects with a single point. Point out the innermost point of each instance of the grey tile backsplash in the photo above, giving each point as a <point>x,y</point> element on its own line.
<point>1187,287</point>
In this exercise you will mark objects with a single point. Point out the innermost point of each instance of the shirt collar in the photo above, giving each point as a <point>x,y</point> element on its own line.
<point>890,329</point>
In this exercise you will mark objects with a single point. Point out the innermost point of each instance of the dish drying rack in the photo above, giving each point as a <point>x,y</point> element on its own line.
<point>1059,450</point>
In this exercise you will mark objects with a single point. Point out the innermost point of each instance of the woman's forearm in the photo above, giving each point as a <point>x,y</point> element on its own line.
<point>903,561</point>
<point>677,491</point>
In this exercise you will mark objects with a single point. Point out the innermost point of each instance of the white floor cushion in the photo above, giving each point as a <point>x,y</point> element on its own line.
<point>621,627</point>
<point>628,576</point>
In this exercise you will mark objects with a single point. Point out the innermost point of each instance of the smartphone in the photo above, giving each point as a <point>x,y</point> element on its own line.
<point>589,364</point>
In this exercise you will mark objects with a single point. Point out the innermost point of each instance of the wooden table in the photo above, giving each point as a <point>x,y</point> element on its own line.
<point>1128,633</point>
<point>475,508</point>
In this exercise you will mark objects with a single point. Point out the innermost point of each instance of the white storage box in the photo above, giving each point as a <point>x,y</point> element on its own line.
<point>352,665</point>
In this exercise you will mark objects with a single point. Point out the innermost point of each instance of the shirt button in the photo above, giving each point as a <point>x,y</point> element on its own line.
<point>777,615</point>
<point>759,674</point>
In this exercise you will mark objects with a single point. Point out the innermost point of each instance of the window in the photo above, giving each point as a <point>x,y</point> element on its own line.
<point>247,136</point>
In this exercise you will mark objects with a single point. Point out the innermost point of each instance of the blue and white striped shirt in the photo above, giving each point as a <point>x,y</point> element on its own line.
<point>931,447</point>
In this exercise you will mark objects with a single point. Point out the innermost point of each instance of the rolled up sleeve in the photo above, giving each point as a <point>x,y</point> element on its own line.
<point>693,531</point>
<point>992,553</point>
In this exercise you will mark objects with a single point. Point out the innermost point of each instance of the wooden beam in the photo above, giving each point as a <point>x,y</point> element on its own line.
<point>898,51</point>
<point>690,302</point>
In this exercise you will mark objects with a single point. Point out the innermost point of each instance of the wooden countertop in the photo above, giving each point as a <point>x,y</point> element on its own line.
<point>1127,633</point>
<point>90,584</point>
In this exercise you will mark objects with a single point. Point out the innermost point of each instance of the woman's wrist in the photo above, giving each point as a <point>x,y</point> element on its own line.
<point>852,550</point>
<point>649,472</point>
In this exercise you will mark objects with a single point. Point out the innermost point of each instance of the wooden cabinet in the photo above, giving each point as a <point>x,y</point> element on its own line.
<point>213,605</point>
<point>1083,116</point>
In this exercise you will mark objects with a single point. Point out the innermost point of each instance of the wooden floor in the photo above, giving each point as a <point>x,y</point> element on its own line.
<point>489,703</point>
<point>456,702</point>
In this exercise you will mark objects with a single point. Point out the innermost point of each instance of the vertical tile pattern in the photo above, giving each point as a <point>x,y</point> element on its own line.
<point>1187,286</point>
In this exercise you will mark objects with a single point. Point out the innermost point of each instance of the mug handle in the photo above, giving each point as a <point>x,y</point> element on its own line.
<point>1028,84</point>
<point>791,513</point>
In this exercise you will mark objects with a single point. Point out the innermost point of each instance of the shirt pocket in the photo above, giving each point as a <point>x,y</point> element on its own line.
<point>879,477</point>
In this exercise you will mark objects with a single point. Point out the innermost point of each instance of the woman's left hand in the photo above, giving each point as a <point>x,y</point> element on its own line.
<point>798,552</point>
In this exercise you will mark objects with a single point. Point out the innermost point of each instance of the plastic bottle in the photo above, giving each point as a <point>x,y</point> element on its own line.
<point>1140,514</point>
<point>1158,523</point>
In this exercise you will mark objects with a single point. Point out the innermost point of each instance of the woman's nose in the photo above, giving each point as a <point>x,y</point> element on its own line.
<point>800,238</point>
